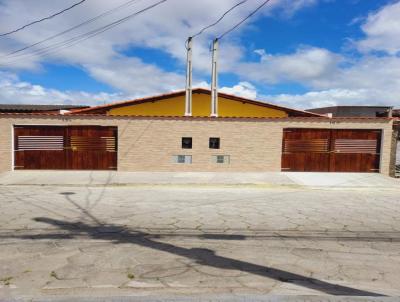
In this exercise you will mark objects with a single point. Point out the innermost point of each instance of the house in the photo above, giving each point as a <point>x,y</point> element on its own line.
<point>396,129</point>
<point>352,111</point>
<point>366,111</point>
<point>24,108</point>
<point>154,134</point>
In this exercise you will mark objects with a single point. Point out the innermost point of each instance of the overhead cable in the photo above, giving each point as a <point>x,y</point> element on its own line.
<point>106,13</point>
<point>80,38</point>
<point>43,19</point>
<point>243,20</point>
<point>220,19</point>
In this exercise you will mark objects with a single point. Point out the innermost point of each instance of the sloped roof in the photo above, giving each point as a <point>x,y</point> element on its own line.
<point>102,109</point>
<point>37,108</point>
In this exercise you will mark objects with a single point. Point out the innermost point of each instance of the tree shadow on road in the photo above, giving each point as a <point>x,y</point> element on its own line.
<point>122,235</point>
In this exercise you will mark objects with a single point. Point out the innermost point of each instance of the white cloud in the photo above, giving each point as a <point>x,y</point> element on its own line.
<point>369,80</point>
<point>14,91</point>
<point>336,79</point>
<point>369,72</point>
<point>332,97</point>
<point>133,76</point>
<point>243,89</point>
<point>291,7</point>
<point>331,77</point>
<point>306,65</point>
<point>164,28</point>
<point>382,30</point>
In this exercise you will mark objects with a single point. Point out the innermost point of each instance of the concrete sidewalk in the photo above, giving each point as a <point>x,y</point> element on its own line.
<point>268,179</point>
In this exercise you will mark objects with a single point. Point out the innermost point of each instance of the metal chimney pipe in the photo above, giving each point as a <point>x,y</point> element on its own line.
<point>189,67</point>
<point>214,80</point>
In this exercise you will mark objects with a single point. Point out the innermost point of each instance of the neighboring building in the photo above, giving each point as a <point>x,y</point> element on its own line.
<point>396,129</point>
<point>24,108</point>
<point>153,134</point>
<point>354,111</point>
<point>398,159</point>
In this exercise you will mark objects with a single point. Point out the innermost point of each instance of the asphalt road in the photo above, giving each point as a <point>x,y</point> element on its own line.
<point>152,242</point>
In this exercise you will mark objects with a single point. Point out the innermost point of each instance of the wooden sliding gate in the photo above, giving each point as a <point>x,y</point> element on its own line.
<point>331,150</point>
<point>65,147</point>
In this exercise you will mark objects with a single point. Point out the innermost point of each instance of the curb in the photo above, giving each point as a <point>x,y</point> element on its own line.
<point>266,186</point>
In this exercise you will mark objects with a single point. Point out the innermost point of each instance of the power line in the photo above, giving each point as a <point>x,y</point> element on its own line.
<point>220,19</point>
<point>71,28</point>
<point>88,35</point>
<point>43,19</point>
<point>243,20</point>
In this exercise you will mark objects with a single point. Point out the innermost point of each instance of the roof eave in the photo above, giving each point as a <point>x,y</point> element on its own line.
<point>102,109</point>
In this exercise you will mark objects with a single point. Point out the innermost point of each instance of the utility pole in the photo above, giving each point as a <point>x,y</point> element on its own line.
<point>189,67</point>
<point>214,80</point>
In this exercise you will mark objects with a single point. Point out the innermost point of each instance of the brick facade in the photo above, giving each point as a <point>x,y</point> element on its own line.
<point>148,144</point>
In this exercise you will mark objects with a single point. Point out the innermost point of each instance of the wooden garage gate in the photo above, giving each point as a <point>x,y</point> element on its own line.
<point>331,150</point>
<point>65,147</point>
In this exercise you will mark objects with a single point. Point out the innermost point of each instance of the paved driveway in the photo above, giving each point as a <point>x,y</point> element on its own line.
<point>172,240</point>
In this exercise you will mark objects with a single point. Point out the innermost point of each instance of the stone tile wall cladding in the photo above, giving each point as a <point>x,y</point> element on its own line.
<point>149,144</point>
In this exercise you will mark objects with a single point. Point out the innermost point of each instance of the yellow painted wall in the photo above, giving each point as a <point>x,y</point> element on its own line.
<point>201,107</point>
<point>167,107</point>
<point>228,108</point>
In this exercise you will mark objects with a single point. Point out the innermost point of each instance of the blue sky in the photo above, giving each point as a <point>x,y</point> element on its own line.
<point>299,53</point>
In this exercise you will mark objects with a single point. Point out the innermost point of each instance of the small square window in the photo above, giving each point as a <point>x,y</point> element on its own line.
<point>214,143</point>
<point>221,159</point>
<point>186,143</point>
<point>182,159</point>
